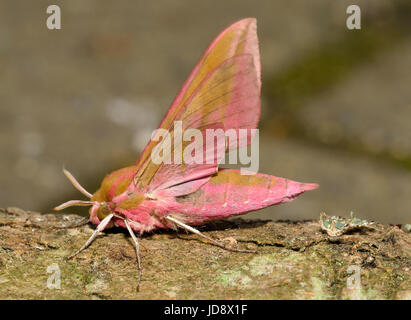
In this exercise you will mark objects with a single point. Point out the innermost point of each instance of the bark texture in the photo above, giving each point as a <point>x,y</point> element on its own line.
<point>294,260</point>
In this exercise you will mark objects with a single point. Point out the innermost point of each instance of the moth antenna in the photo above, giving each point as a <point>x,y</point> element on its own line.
<point>76,184</point>
<point>74,203</point>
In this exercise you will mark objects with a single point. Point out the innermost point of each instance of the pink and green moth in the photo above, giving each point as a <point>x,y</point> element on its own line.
<point>222,91</point>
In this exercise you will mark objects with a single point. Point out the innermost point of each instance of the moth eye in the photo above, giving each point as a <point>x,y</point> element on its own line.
<point>102,212</point>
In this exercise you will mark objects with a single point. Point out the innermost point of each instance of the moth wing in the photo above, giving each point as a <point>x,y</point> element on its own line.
<point>222,90</point>
<point>229,193</point>
<point>171,174</point>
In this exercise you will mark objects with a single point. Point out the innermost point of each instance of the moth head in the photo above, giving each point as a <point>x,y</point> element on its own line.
<point>99,211</point>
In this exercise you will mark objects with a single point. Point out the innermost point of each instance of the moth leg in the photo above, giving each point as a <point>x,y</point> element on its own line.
<point>102,225</point>
<point>133,236</point>
<point>195,231</point>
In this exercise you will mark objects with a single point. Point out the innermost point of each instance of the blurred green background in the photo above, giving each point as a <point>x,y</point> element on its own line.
<point>336,103</point>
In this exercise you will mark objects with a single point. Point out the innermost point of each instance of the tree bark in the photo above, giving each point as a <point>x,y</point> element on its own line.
<point>294,260</point>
